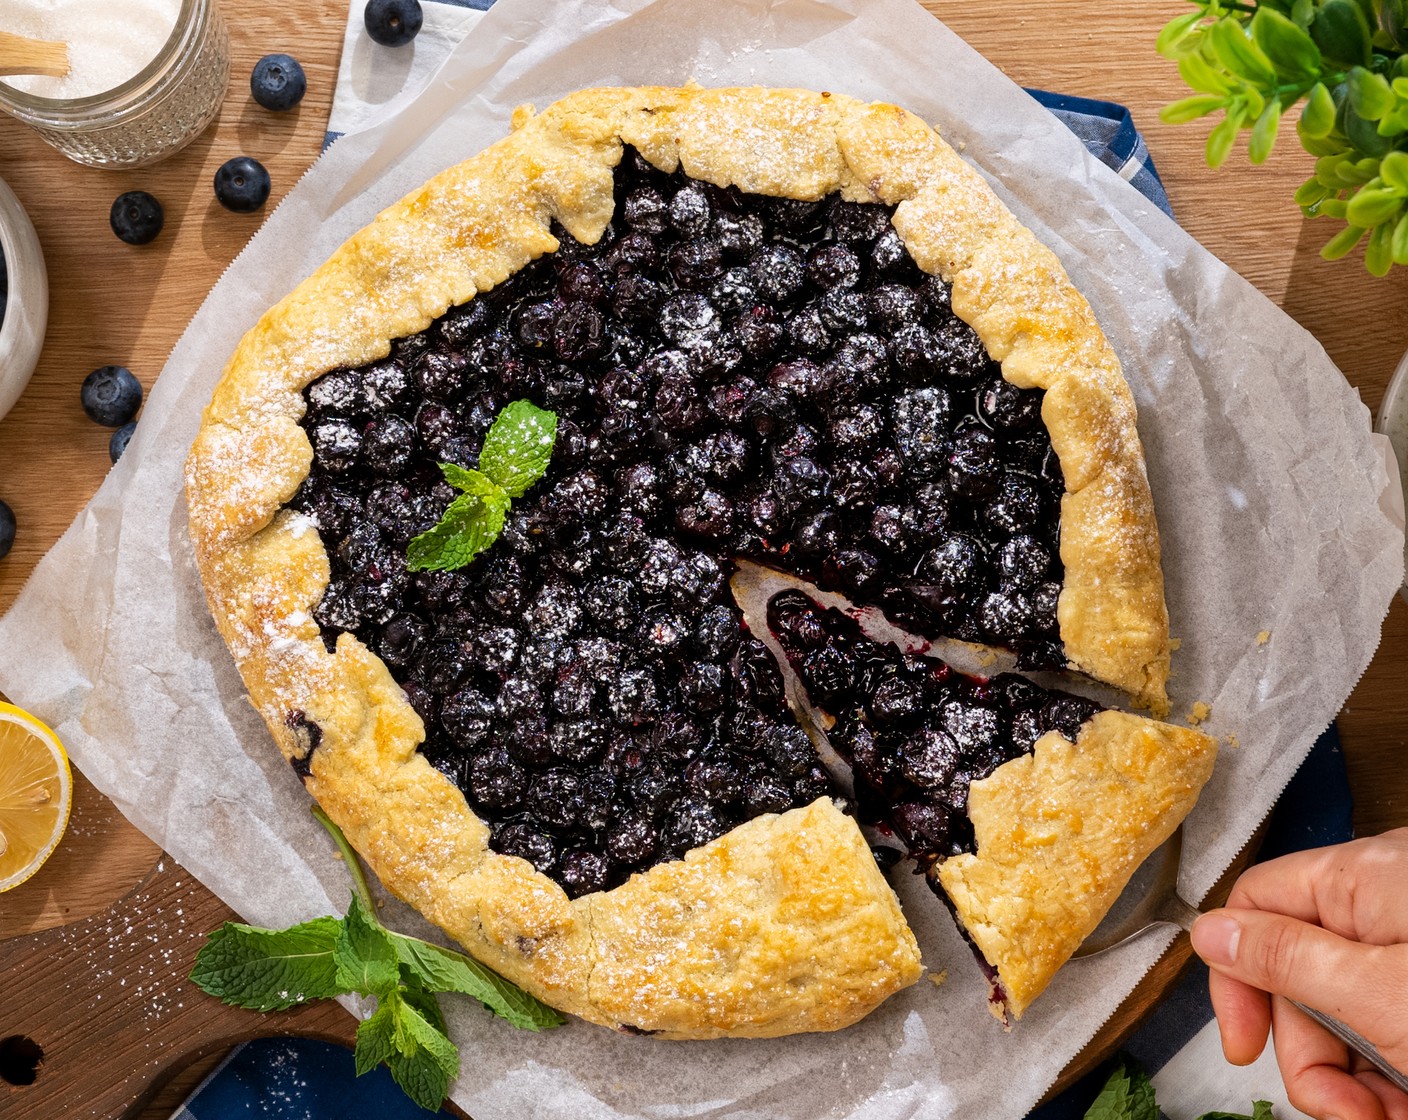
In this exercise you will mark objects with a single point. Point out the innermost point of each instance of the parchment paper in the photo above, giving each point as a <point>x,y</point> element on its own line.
<point>1267,483</point>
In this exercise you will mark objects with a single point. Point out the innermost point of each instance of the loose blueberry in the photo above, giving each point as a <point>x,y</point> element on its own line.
<point>120,439</point>
<point>7,530</point>
<point>136,217</point>
<point>393,23</point>
<point>278,82</point>
<point>111,396</point>
<point>242,184</point>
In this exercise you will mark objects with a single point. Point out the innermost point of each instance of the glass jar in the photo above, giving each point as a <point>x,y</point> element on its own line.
<point>153,114</point>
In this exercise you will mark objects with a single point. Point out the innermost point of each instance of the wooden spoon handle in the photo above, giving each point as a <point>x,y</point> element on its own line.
<point>21,55</point>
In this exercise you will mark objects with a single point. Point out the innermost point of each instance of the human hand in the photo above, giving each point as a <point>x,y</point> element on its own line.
<point>1327,927</point>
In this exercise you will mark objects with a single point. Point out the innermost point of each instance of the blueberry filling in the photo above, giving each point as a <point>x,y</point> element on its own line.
<point>734,375</point>
<point>915,732</point>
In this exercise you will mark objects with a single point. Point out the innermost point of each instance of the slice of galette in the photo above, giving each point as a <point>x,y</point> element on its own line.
<point>771,324</point>
<point>1027,809</point>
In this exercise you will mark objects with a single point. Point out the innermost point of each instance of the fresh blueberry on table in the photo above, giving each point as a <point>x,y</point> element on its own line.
<point>278,82</point>
<point>242,184</point>
<point>7,529</point>
<point>393,23</point>
<point>120,439</point>
<point>111,396</point>
<point>136,217</point>
<point>4,287</point>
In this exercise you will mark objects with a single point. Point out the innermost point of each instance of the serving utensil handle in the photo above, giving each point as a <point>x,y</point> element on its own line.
<point>1356,1041</point>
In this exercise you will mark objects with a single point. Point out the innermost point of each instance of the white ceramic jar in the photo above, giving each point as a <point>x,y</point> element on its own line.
<point>27,310</point>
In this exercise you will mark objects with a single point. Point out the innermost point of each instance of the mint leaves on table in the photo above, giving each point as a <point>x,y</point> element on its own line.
<point>515,455</point>
<point>271,970</point>
<point>1129,1095</point>
<point>1345,62</point>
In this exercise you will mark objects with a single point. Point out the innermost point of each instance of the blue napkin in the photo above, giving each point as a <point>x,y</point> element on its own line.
<point>300,1079</point>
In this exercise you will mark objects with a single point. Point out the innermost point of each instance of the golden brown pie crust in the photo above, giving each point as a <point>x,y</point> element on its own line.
<point>784,924</point>
<point>1059,832</point>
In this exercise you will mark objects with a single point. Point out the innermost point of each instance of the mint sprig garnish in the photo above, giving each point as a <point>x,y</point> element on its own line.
<point>516,453</point>
<point>1129,1095</point>
<point>271,970</point>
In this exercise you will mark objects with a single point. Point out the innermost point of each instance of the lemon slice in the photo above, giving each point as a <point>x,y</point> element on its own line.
<point>36,793</point>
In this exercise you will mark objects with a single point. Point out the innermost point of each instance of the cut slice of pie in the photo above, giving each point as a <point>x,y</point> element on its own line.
<point>772,324</point>
<point>1027,809</point>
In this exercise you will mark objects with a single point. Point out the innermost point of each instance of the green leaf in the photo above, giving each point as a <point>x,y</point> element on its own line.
<point>1372,206</point>
<point>1310,192</point>
<point>1191,108</point>
<point>1340,245</point>
<point>444,970</point>
<point>366,959</point>
<point>270,970</point>
<point>1393,19</point>
<point>1342,33</point>
<point>468,481</point>
<point>1302,13</point>
<point>1241,55</point>
<point>425,1060</point>
<point>1317,119</point>
<point>1261,1110</point>
<point>1264,133</point>
<point>1220,140</point>
<point>518,447</point>
<point>1362,134</point>
<point>469,525</point>
<point>1289,48</point>
<point>1399,244</point>
<point>1128,1095</point>
<point>1200,75</point>
<point>1378,257</point>
<point>1369,93</point>
<point>422,999</point>
<point>375,1038</point>
<point>1175,33</point>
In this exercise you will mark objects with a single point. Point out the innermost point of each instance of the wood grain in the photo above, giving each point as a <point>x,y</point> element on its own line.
<point>113,303</point>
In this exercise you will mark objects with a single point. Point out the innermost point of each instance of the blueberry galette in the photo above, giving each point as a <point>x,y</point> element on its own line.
<point>773,327</point>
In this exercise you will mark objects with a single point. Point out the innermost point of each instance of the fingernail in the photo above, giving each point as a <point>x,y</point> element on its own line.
<point>1215,938</point>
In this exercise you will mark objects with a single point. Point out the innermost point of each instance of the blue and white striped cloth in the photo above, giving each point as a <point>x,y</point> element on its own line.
<point>299,1079</point>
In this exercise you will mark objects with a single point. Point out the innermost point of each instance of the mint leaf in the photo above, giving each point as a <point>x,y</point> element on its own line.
<point>467,480</point>
<point>518,447</point>
<point>1261,1110</point>
<point>470,524</point>
<point>375,1039</point>
<point>270,970</point>
<point>425,1061</point>
<point>444,970</point>
<point>1127,1095</point>
<point>366,959</point>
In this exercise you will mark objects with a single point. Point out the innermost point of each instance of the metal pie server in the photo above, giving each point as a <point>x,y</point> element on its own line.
<point>1151,899</point>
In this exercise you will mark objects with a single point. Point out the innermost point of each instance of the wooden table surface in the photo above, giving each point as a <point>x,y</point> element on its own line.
<point>113,303</point>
